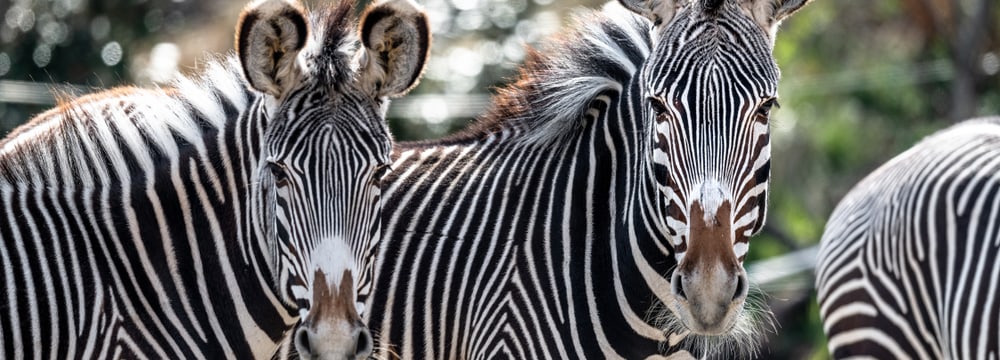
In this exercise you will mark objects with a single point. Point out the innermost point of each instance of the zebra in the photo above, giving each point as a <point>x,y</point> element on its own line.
<point>908,263</point>
<point>217,218</point>
<point>602,206</point>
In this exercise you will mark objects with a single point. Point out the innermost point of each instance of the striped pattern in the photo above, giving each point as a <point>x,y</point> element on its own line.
<point>551,227</point>
<point>908,266</point>
<point>181,223</point>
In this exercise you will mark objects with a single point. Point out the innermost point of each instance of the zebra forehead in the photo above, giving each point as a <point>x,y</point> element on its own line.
<point>711,49</point>
<point>721,37</point>
<point>711,72</point>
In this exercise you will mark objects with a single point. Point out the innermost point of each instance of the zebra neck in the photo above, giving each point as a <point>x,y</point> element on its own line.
<point>557,210</point>
<point>640,246</point>
<point>131,163</point>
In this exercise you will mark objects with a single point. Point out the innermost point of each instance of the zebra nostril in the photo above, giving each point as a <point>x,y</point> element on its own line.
<point>302,342</point>
<point>364,345</point>
<point>741,287</point>
<point>677,286</point>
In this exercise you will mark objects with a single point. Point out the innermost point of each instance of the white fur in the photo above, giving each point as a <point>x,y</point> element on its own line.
<point>710,194</point>
<point>569,86</point>
<point>740,249</point>
<point>38,130</point>
<point>332,256</point>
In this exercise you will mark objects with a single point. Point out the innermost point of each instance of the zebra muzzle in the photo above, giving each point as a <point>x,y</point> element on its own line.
<point>709,284</point>
<point>333,330</point>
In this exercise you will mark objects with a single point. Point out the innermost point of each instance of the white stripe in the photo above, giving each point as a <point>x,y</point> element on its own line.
<point>253,334</point>
<point>13,312</point>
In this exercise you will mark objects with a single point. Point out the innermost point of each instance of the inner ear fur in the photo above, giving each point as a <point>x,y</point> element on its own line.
<point>660,12</point>
<point>396,37</point>
<point>269,35</point>
<point>769,13</point>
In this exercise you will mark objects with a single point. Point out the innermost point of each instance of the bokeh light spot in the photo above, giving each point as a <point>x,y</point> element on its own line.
<point>42,55</point>
<point>163,60</point>
<point>153,20</point>
<point>503,16</point>
<point>53,31</point>
<point>990,63</point>
<point>465,4</point>
<point>100,26</point>
<point>434,111</point>
<point>73,5</point>
<point>21,18</point>
<point>111,54</point>
<point>4,63</point>
<point>470,20</point>
<point>513,49</point>
<point>465,62</point>
<point>491,52</point>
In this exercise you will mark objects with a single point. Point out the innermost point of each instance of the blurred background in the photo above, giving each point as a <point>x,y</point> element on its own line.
<point>861,81</point>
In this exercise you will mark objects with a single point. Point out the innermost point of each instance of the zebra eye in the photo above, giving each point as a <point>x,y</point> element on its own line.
<point>278,172</point>
<point>659,107</point>
<point>382,170</point>
<point>764,110</point>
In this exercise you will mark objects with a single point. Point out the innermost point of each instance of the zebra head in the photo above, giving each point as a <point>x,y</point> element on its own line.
<point>325,144</point>
<point>705,92</point>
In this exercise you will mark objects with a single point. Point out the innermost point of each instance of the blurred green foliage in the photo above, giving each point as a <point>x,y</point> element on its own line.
<point>88,43</point>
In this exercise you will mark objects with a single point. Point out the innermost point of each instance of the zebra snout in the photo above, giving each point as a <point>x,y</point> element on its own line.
<point>736,286</point>
<point>310,344</point>
<point>709,301</point>
<point>332,329</point>
<point>709,284</point>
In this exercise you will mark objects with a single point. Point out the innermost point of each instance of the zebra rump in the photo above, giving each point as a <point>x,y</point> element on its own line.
<point>909,263</point>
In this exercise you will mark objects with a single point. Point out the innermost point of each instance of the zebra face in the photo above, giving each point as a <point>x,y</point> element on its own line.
<point>707,91</point>
<point>325,145</point>
<point>323,165</point>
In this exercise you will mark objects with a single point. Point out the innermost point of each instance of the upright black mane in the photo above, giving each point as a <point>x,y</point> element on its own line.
<point>336,40</point>
<point>601,51</point>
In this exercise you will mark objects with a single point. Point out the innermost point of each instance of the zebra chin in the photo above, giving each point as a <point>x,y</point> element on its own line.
<point>741,335</point>
<point>708,318</point>
<point>333,329</point>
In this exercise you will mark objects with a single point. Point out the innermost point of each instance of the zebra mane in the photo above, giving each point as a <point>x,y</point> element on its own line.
<point>601,51</point>
<point>333,43</point>
<point>125,116</point>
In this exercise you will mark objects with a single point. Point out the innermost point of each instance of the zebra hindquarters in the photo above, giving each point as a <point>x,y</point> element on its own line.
<point>909,263</point>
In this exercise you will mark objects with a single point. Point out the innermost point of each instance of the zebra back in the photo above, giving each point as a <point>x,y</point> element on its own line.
<point>908,261</point>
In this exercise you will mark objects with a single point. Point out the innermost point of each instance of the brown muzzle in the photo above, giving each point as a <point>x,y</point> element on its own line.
<point>333,329</point>
<point>709,284</point>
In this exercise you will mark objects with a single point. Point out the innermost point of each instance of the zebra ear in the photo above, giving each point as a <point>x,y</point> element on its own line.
<point>659,11</point>
<point>769,13</point>
<point>397,40</point>
<point>269,35</point>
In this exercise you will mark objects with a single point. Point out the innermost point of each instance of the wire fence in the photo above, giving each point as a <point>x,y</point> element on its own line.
<point>36,93</point>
